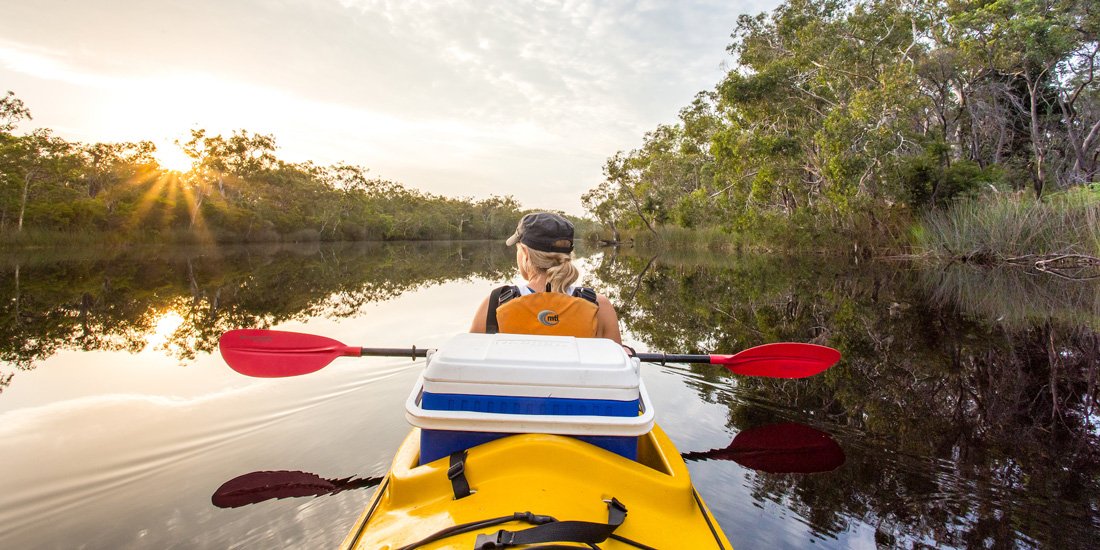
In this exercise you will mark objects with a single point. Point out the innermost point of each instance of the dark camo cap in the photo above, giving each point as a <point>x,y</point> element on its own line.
<point>544,231</point>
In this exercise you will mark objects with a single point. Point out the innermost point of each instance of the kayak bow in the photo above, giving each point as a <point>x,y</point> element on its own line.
<point>547,475</point>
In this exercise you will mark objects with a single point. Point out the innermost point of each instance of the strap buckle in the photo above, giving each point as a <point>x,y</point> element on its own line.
<point>500,539</point>
<point>456,470</point>
<point>506,294</point>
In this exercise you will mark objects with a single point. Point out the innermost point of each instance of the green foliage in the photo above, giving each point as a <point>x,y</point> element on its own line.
<point>845,109</point>
<point>237,190</point>
<point>929,184</point>
<point>12,110</point>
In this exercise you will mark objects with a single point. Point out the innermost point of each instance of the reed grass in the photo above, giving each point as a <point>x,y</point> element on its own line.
<point>1002,226</point>
<point>38,238</point>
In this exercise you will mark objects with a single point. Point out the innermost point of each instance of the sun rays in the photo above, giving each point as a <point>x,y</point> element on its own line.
<point>160,205</point>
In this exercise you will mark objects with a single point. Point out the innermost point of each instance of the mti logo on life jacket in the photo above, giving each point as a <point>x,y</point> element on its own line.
<point>548,317</point>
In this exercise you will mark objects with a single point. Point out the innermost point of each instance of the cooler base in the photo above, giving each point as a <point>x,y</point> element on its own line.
<point>436,444</point>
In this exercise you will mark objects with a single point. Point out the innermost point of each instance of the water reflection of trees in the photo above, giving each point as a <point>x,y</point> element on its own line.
<point>968,400</point>
<point>97,301</point>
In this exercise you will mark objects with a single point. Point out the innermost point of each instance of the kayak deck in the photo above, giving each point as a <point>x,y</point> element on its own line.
<point>546,475</point>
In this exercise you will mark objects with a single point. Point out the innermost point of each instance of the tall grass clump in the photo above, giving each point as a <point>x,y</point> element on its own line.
<point>47,238</point>
<point>1003,226</point>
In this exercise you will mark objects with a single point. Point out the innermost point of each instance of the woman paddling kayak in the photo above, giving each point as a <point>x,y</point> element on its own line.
<point>548,304</point>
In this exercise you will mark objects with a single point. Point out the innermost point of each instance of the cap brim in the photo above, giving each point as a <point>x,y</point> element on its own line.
<point>513,239</point>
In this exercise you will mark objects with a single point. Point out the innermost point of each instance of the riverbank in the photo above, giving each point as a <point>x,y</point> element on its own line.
<point>1057,233</point>
<point>862,236</point>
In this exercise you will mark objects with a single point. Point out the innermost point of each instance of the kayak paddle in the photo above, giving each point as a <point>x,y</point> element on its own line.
<point>275,354</point>
<point>778,360</point>
<point>785,448</point>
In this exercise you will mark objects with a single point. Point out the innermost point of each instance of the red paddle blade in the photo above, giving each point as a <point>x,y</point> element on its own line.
<point>780,360</point>
<point>787,448</point>
<point>276,354</point>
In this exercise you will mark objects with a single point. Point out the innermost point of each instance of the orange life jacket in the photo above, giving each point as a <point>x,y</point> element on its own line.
<point>547,313</point>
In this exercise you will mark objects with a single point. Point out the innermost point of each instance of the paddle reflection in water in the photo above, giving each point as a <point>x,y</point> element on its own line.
<point>260,486</point>
<point>784,448</point>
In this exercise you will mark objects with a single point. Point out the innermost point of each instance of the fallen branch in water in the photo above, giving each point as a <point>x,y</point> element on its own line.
<point>1068,266</point>
<point>1069,260</point>
<point>1074,267</point>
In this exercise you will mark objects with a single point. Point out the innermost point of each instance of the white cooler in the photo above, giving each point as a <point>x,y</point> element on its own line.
<point>481,387</point>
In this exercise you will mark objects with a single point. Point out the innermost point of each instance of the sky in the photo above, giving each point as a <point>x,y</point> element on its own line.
<point>462,98</point>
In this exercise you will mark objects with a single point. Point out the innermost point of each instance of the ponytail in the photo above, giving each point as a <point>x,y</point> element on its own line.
<point>559,268</point>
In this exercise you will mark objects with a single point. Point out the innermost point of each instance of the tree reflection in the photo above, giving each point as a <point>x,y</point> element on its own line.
<point>968,398</point>
<point>114,302</point>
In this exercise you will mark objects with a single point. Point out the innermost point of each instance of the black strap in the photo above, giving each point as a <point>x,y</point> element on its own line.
<point>586,293</point>
<point>497,297</point>
<point>527,517</point>
<point>706,516</point>
<point>561,531</point>
<point>457,474</point>
<point>381,492</point>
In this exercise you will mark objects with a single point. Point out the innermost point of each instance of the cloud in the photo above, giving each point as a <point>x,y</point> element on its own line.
<point>475,97</point>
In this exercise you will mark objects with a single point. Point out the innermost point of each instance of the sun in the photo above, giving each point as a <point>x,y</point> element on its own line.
<point>172,158</point>
<point>164,327</point>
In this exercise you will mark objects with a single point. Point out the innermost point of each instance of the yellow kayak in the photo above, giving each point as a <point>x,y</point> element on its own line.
<point>586,491</point>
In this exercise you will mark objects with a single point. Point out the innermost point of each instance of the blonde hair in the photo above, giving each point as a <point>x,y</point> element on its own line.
<point>558,266</point>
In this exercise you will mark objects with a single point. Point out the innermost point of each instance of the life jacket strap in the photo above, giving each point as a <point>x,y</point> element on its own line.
<point>586,293</point>
<point>497,297</point>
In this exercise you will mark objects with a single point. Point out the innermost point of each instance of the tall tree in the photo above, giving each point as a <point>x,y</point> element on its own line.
<point>35,159</point>
<point>1033,40</point>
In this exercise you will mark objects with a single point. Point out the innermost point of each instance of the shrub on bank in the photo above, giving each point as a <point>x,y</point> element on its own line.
<point>1001,226</point>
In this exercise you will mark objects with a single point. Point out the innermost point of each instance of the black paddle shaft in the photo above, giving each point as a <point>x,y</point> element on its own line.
<point>412,352</point>
<point>415,352</point>
<point>672,358</point>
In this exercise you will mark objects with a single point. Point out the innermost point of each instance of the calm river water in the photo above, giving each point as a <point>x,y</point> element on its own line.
<point>965,405</point>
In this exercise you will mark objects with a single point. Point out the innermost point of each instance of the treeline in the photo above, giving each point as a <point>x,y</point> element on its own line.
<point>237,190</point>
<point>846,114</point>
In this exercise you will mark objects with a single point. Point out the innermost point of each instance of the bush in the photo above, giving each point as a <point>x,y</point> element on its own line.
<point>1006,225</point>
<point>304,236</point>
<point>928,184</point>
